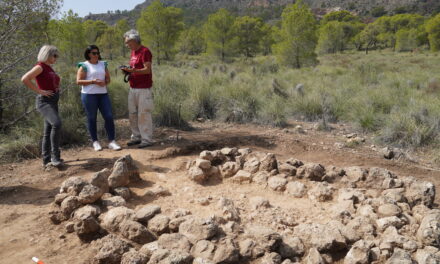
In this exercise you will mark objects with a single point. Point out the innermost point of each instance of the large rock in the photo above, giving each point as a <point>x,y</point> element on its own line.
<point>277,183</point>
<point>269,163</point>
<point>90,194</point>
<point>321,191</point>
<point>246,247</point>
<point>149,248</point>
<point>394,195</point>
<point>87,211</point>
<point>287,169</point>
<point>174,242</point>
<point>313,257</point>
<point>271,258</point>
<point>159,224</point>
<point>147,212</point>
<point>266,239</point>
<point>426,256</point>
<point>229,169</point>
<point>400,256</point>
<point>226,251</point>
<point>115,216</point>
<point>384,223</point>
<point>73,186</point>
<point>261,177</point>
<point>311,171</point>
<point>110,250</point>
<point>355,175</point>
<point>124,192</point>
<point>242,176</point>
<point>134,257</point>
<point>364,226</point>
<point>203,249</point>
<point>296,189</point>
<point>136,232</point>
<point>351,194</point>
<point>198,229</point>
<point>230,212</point>
<point>429,230</point>
<point>420,192</point>
<point>323,237</point>
<point>379,178</point>
<point>252,165</point>
<point>258,202</point>
<point>197,175</point>
<point>100,180</point>
<point>391,239</point>
<point>202,164</point>
<point>359,253</point>
<point>87,228</point>
<point>113,201</point>
<point>387,210</point>
<point>124,171</point>
<point>291,247</point>
<point>164,256</point>
<point>69,205</point>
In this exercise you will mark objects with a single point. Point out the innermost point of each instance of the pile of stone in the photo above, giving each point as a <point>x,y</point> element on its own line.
<point>377,217</point>
<point>82,201</point>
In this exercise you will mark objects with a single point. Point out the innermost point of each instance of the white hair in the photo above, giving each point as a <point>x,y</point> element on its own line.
<point>45,52</point>
<point>133,34</point>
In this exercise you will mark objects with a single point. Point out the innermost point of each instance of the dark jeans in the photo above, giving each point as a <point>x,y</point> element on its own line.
<point>93,102</point>
<point>48,107</point>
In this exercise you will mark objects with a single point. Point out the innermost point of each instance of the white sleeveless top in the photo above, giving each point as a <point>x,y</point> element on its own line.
<point>94,71</point>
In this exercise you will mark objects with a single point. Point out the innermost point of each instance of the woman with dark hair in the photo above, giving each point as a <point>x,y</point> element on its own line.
<point>94,76</point>
<point>47,88</point>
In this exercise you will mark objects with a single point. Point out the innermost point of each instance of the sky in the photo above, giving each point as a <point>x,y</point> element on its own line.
<point>84,7</point>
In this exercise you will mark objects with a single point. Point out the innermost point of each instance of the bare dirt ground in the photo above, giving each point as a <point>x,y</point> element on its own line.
<point>27,191</point>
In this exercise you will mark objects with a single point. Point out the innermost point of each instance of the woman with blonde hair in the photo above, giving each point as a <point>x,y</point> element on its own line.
<point>47,87</point>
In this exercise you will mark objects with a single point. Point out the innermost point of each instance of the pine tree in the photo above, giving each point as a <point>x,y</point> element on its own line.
<point>299,36</point>
<point>218,33</point>
<point>160,26</point>
<point>248,32</point>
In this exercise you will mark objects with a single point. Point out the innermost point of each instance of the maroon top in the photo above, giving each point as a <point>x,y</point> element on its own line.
<point>137,60</point>
<point>48,79</point>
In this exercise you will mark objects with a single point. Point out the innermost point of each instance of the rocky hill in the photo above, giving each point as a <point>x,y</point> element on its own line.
<point>196,10</point>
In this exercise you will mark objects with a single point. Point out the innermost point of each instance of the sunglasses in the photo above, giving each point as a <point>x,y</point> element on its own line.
<point>95,53</point>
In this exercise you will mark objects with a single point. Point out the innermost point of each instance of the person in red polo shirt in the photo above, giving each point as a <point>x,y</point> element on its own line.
<point>140,97</point>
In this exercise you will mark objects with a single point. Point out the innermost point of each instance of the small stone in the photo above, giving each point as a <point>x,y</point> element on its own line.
<point>147,212</point>
<point>386,210</point>
<point>259,202</point>
<point>114,201</point>
<point>296,189</point>
<point>322,191</point>
<point>124,192</point>
<point>159,224</point>
<point>136,232</point>
<point>277,183</point>
<point>242,177</point>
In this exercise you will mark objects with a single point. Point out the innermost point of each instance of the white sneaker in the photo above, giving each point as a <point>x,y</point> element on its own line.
<point>114,146</point>
<point>97,146</point>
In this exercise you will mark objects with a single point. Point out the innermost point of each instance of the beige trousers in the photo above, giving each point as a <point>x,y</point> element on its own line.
<point>140,108</point>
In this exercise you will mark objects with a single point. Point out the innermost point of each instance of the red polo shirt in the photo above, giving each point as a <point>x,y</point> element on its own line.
<point>137,60</point>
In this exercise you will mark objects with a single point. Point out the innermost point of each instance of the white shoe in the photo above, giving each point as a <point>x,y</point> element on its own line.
<point>114,146</point>
<point>97,146</point>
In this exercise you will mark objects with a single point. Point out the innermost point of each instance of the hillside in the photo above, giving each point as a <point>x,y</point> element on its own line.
<point>196,10</point>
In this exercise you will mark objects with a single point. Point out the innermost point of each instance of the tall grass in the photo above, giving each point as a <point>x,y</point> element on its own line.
<point>393,96</point>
